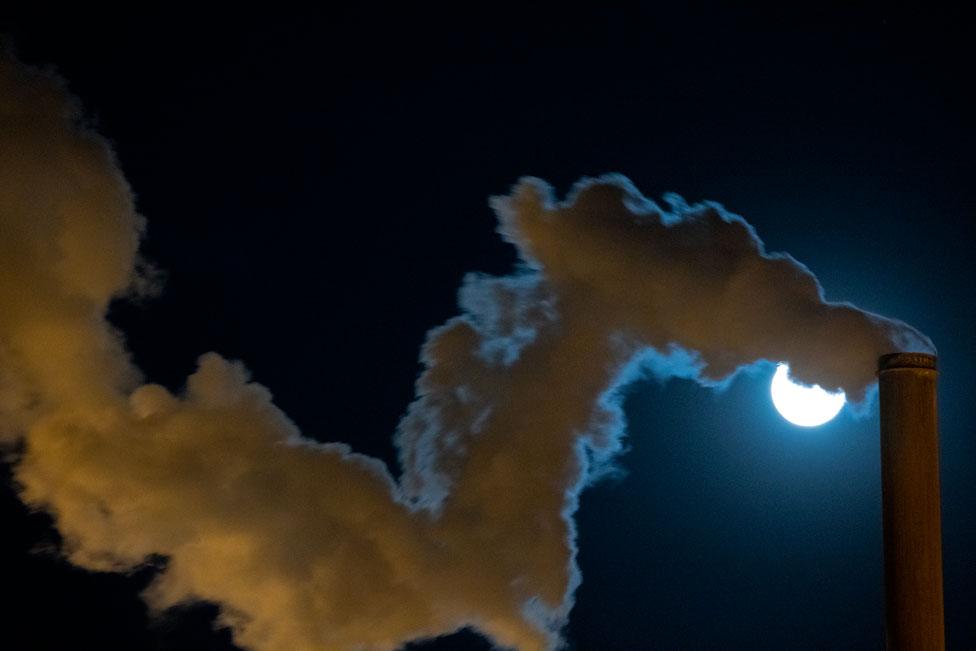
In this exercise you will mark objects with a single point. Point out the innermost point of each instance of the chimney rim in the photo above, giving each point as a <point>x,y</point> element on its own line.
<point>893,361</point>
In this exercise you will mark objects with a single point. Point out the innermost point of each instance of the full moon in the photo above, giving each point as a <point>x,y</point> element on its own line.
<point>802,405</point>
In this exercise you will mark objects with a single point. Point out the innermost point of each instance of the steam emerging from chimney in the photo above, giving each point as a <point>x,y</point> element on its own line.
<point>310,546</point>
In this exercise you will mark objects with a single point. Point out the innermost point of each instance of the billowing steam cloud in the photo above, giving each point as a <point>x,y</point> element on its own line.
<point>311,546</point>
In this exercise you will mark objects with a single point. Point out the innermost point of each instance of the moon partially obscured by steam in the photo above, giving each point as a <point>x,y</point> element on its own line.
<point>802,405</point>
<point>307,545</point>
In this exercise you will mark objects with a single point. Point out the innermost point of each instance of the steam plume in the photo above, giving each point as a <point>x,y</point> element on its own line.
<point>311,546</point>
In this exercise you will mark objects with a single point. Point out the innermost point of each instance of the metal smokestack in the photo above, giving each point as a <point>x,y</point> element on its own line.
<point>910,484</point>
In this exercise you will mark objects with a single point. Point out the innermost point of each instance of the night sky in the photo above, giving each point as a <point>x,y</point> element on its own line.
<point>316,186</point>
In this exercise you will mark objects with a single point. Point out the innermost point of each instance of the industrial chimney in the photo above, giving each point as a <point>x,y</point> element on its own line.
<point>911,503</point>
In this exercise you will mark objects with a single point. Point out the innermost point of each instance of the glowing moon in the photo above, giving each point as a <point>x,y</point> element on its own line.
<point>802,405</point>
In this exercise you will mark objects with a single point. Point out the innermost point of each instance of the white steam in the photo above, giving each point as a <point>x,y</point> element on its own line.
<point>311,546</point>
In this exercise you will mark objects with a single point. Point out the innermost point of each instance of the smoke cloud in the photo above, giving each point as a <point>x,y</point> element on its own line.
<point>312,546</point>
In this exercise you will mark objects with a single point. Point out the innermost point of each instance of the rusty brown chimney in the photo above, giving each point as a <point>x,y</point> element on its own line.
<point>911,504</point>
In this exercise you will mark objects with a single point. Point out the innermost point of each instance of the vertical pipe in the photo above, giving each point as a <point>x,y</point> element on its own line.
<point>914,617</point>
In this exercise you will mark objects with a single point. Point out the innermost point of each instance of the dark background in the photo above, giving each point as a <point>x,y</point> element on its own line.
<point>316,186</point>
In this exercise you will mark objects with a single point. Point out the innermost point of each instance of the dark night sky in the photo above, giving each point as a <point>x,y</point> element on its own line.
<point>316,186</point>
